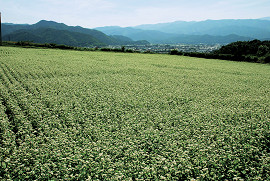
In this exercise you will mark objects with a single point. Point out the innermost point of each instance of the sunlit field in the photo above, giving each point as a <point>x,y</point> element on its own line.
<point>117,116</point>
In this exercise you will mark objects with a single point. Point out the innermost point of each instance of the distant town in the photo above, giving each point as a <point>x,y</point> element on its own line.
<point>161,48</point>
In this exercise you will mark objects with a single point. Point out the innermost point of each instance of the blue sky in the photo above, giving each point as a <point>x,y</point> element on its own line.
<point>96,13</point>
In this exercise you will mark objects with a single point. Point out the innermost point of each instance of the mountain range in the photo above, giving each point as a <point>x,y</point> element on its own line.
<point>209,31</point>
<point>59,33</point>
<point>193,32</point>
<point>255,28</point>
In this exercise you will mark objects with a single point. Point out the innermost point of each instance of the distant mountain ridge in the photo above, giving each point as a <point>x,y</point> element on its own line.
<point>50,35</point>
<point>255,28</point>
<point>158,37</point>
<point>194,32</point>
<point>265,18</point>
<point>209,31</point>
<point>59,33</point>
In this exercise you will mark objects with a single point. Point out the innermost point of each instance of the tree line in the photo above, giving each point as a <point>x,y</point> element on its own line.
<point>247,51</point>
<point>29,44</point>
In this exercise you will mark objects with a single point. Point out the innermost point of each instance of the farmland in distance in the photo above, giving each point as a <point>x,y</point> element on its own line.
<point>119,116</point>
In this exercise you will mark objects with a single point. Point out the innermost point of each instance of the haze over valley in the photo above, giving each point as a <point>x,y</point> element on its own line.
<point>179,32</point>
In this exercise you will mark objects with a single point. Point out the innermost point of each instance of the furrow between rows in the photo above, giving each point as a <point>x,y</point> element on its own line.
<point>15,100</point>
<point>29,101</point>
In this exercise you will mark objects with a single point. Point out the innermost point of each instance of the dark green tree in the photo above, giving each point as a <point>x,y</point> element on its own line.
<point>262,50</point>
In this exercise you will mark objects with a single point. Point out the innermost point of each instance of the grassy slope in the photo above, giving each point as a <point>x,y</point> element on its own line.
<point>67,114</point>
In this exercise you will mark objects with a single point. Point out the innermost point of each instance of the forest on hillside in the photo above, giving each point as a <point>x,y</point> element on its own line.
<point>247,51</point>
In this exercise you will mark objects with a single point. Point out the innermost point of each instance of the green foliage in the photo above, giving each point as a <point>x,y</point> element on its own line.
<point>266,59</point>
<point>175,52</point>
<point>245,47</point>
<point>263,49</point>
<point>27,44</point>
<point>78,115</point>
<point>123,49</point>
<point>248,51</point>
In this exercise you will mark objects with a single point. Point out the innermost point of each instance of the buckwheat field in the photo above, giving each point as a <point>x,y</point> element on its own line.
<point>78,115</point>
